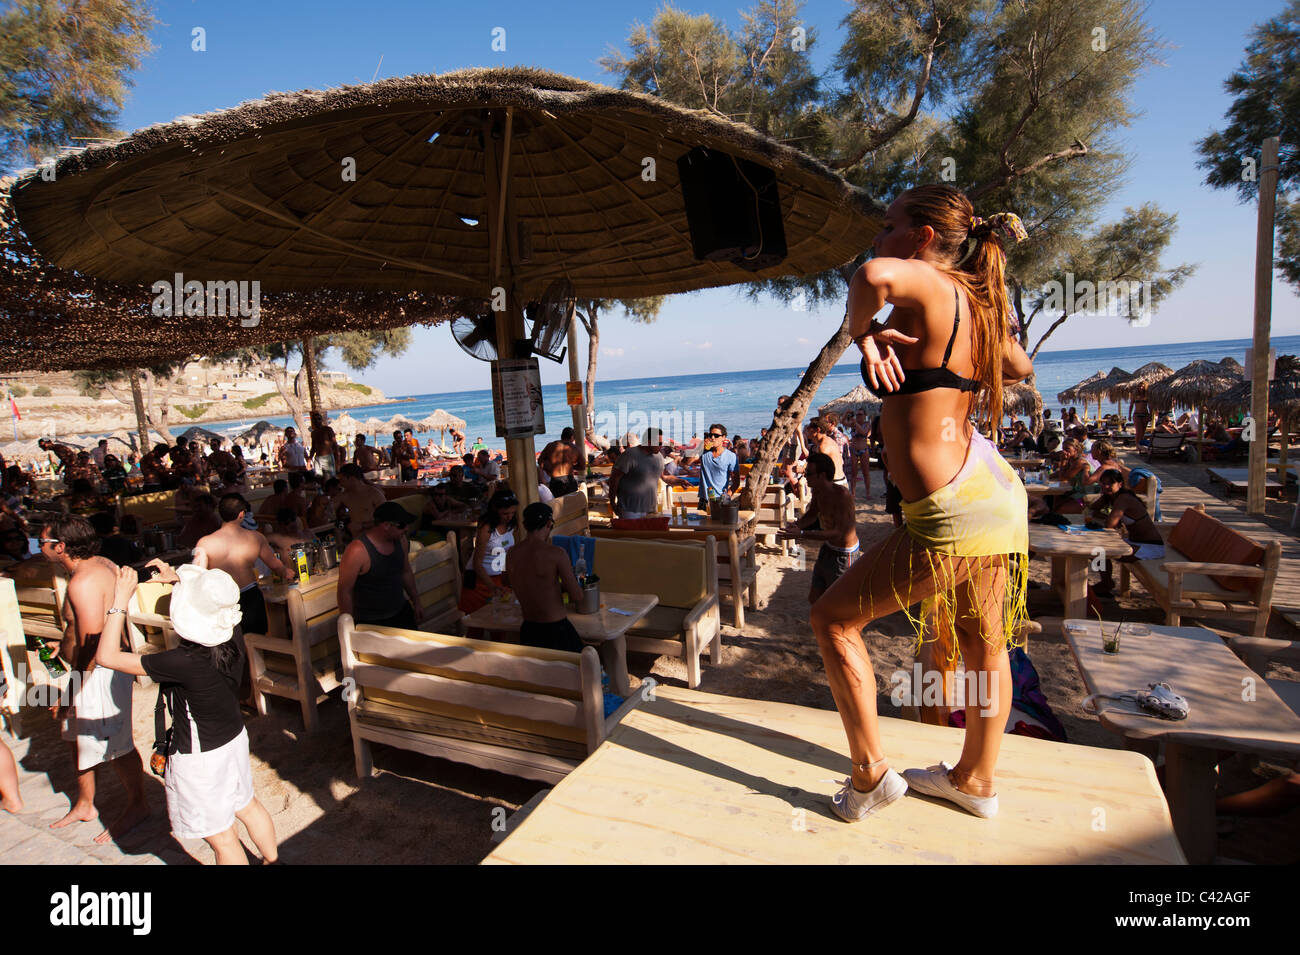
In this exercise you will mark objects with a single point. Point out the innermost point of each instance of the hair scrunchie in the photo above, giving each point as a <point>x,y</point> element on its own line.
<point>1005,224</point>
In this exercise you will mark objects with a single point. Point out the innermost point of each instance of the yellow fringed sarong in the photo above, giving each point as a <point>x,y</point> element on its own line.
<point>977,523</point>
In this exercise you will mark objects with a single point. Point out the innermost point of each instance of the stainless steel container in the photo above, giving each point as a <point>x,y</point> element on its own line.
<point>724,513</point>
<point>590,602</point>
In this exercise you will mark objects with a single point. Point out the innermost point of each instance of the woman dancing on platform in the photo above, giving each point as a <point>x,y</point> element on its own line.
<point>945,352</point>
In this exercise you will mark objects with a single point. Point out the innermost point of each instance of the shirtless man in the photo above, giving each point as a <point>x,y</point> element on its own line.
<point>832,512</point>
<point>365,457</point>
<point>540,573</point>
<point>220,461</point>
<point>823,440</point>
<point>236,549</point>
<point>278,498</point>
<point>324,445</point>
<point>99,721</point>
<point>66,456</point>
<point>359,498</point>
<point>286,532</point>
<point>321,509</point>
<point>559,458</point>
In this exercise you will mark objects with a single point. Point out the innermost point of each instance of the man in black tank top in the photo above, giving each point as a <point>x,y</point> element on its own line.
<point>375,576</point>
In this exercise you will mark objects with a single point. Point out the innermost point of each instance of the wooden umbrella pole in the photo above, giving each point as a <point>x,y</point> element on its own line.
<point>1263,320</point>
<point>521,454</point>
<point>580,409</point>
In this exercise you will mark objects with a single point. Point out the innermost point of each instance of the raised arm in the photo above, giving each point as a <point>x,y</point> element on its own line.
<point>110,653</point>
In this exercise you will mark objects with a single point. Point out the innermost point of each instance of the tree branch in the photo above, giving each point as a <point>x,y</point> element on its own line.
<point>1072,152</point>
<point>1051,328</point>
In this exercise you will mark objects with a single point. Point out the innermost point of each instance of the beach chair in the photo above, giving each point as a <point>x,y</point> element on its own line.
<point>1167,445</point>
<point>518,710</point>
<point>148,627</point>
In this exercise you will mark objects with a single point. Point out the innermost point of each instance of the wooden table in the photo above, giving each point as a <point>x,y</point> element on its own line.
<point>605,630</point>
<point>1230,708</point>
<point>691,777</point>
<point>1054,487</point>
<point>1072,553</point>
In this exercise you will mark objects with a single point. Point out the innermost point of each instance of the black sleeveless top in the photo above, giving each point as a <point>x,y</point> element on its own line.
<point>917,380</point>
<point>378,594</point>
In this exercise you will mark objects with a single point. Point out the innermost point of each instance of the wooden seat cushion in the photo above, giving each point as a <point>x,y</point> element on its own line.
<point>1204,538</point>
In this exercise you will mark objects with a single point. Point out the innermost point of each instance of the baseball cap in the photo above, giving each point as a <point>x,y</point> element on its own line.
<point>390,512</point>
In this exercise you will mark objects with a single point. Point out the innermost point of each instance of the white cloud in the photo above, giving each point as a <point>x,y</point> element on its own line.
<point>612,352</point>
<point>802,341</point>
<point>704,345</point>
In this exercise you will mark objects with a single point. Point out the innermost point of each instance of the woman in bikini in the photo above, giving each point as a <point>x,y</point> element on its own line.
<point>1141,415</point>
<point>859,452</point>
<point>944,352</point>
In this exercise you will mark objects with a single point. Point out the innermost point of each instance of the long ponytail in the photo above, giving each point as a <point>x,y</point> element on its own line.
<point>971,249</point>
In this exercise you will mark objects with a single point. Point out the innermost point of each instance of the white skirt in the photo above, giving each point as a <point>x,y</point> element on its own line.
<point>205,790</point>
<point>99,721</point>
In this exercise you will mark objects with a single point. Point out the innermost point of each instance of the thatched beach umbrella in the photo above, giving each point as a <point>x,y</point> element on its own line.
<point>1102,388</point>
<point>346,426</point>
<point>1071,395</point>
<point>1194,386</point>
<point>257,432</point>
<point>398,423</point>
<point>460,184</point>
<point>1283,397</point>
<point>441,422</point>
<point>1142,379</point>
<point>859,399</point>
<point>200,434</point>
<point>1022,398</point>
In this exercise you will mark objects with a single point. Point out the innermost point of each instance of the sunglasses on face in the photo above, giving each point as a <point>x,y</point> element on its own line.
<point>49,540</point>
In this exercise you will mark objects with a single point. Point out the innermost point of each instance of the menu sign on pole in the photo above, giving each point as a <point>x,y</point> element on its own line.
<point>517,398</point>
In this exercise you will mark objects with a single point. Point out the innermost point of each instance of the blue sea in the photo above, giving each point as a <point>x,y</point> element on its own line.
<point>743,401</point>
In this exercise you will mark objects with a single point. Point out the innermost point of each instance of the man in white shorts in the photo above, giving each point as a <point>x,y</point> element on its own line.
<point>98,721</point>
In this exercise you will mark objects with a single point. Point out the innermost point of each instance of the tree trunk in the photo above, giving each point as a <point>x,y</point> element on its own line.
<point>309,365</point>
<point>141,419</point>
<point>593,352</point>
<point>786,424</point>
<point>289,392</point>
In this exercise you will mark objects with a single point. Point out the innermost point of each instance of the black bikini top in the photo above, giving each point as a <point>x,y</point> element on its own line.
<point>917,380</point>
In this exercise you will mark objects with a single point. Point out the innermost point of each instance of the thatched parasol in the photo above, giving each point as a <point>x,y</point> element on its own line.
<point>234,194</point>
<point>1071,395</point>
<point>346,426</point>
<point>1194,386</point>
<point>398,423</point>
<point>259,431</point>
<point>200,434</point>
<point>460,184</point>
<point>1022,398</point>
<point>859,399</point>
<point>1142,379</point>
<point>1103,387</point>
<point>1283,397</point>
<point>1233,365</point>
<point>441,422</point>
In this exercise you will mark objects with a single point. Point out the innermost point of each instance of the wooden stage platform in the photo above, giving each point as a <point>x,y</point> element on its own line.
<point>692,777</point>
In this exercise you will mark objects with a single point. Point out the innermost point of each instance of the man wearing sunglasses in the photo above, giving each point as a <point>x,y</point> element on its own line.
<point>719,467</point>
<point>98,722</point>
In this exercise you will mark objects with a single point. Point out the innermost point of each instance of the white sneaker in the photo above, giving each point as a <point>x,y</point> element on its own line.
<point>935,782</point>
<point>854,806</point>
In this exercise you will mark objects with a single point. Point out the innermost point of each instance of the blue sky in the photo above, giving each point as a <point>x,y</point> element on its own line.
<point>255,47</point>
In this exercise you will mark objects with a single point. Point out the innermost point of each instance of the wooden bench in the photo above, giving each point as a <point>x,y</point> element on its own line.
<point>1209,570</point>
<point>518,710</point>
<point>737,566</point>
<point>1259,652</point>
<point>301,664</point>
<point>438,583</point>
<point>687,622</point>
<point>570,513</point>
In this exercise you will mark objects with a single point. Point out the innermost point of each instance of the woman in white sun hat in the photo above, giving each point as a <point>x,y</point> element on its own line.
<point>208,779</point>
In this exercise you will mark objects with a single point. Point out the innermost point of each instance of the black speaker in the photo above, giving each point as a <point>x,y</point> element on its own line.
<point>733,209</point>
